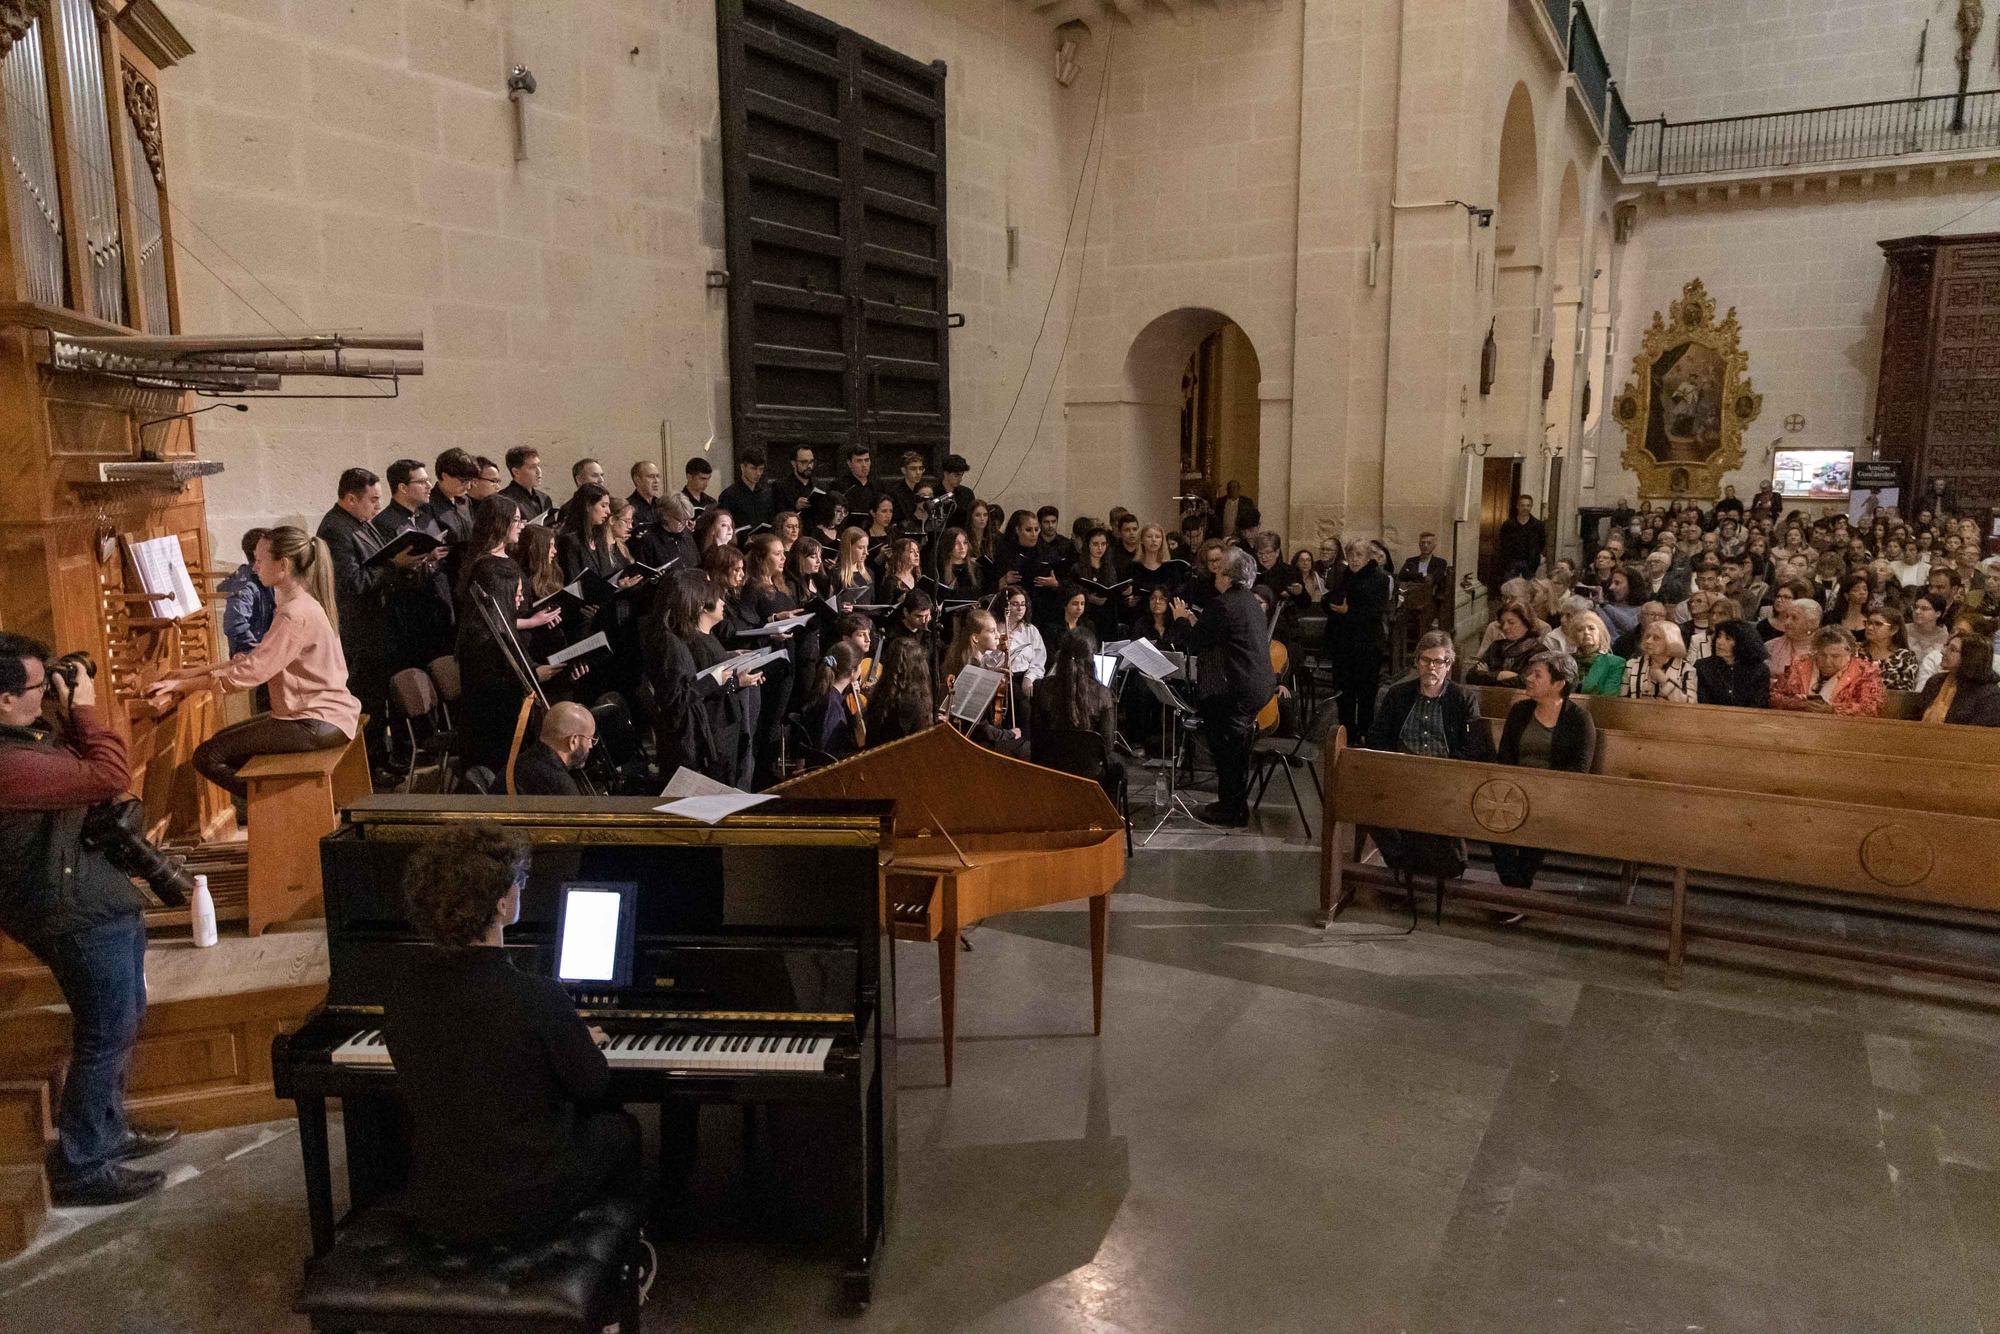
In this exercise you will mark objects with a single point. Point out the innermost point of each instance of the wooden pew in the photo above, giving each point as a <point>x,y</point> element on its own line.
<point>1776,728</point>
<point>1879,780</point>
<point>1931,857</point>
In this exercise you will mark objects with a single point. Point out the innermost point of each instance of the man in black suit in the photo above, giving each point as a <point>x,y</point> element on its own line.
<point>417,600</point>
<point>350,536</point>
<point>859,493</point>
<point>902,492</point>
<point>547,768</point>
<point>1233,512</point>
<point>668,536</point>
<point>1235,681</point>
<point>1430,571</point>
<point>489,483</point>
<point>747,499</point>
<point>794,492</point>
<point>1357,600</point>
<point>450,509</point>
<point>524,463</point>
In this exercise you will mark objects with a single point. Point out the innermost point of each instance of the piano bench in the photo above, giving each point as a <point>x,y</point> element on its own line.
<point>382,1275</point>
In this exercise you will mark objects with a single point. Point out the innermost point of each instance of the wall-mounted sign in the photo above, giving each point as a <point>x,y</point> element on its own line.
<point>1877,475</point>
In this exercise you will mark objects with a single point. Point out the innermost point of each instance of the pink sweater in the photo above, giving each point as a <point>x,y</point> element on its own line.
<point>301,659</point>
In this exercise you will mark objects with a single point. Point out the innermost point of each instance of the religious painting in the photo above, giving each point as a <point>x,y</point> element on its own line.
<point>1688,401</point>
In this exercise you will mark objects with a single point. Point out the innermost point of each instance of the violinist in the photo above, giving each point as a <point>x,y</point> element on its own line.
<point>1021,647</point>
<point>831,718</point>
<point>977,644</point>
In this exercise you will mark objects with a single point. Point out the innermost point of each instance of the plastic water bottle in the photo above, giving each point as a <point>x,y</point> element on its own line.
<point>201,913</point>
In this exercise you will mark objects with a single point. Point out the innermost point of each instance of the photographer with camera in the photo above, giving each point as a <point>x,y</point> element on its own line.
<point>62,897</point>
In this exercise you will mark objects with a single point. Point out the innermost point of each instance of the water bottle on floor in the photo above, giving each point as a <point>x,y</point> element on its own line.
<point>201,913</point>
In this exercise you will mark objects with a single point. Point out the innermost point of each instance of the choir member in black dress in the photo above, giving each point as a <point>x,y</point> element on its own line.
<point>580,542</point>
<point>1095,564</point>
<point>501,1081</point>
<point>764,597</point>
<point>669,537</point>
<point>698,722</point>
<point>830,719</point>
<point>825,515</point>
<point>491,690</point>
<point>713,527</point>
<point>1026,561</point>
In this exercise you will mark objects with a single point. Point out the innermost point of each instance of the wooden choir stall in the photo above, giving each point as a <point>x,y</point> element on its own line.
<point>978,834</point>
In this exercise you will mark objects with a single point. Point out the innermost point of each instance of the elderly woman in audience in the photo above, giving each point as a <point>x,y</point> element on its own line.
<point>1884,644</point>
<point>1801,623</point>
<point>1506,657</point>
<point>1833,678</point>
<point>1736,673</point>
<point>1966,690</point>
<point>1547,730</point>
<point>1700,609</point>
<point>1650,614</point>
<point>1599,670</point>
<point>1662,669</point>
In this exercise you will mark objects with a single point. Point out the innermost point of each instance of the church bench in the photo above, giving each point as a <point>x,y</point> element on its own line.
<point>1898,781</point>
<point>1777,728</point>
<point>1940,858</point>
<point>294,800</point>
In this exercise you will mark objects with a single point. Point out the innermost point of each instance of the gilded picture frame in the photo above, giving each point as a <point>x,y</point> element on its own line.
<point>1688,401</point>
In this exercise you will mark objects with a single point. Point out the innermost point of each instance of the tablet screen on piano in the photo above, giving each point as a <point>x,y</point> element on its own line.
<point>594,940</point>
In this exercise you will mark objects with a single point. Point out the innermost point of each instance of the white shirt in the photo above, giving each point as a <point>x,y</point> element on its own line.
<point>1911,576</point>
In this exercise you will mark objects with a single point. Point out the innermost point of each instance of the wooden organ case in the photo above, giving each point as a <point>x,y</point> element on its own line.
<point>86,251</point>
<point>1937,400</point>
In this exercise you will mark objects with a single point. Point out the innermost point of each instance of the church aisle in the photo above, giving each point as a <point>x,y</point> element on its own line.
<point>1461,1129</point>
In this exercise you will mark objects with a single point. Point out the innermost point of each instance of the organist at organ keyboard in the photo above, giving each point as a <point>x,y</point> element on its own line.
<point>502,1080</point>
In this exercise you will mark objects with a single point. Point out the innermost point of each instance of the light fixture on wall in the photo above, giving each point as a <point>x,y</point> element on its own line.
<point>1476,448</point>
<point>520,84</point>
<point>1071,38</point>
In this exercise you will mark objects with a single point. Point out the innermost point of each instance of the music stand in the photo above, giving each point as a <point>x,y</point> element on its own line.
<point>1174,715</point>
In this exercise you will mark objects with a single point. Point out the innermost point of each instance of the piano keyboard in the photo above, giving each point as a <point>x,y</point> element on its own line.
<point>657,1051</point>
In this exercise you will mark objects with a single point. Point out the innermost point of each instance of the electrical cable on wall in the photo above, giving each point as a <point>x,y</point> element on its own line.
<point>1055,284</point>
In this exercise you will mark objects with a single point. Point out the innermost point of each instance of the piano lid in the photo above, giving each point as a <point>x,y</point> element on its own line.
<point>944,783</point>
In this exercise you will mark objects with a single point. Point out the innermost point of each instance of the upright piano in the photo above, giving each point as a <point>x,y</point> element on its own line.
<point>761,976</point>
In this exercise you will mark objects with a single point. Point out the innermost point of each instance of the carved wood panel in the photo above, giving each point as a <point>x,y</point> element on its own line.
<point>1938,397</point>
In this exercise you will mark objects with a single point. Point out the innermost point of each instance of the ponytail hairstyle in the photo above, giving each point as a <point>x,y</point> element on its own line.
<point>312,565</point>
<point>840,659</point>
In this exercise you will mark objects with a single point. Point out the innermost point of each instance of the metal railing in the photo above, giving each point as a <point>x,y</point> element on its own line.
<point>1776,140</point>
<point>1587,63</point>
<point>1617,125</point>
<point>1558,11</point>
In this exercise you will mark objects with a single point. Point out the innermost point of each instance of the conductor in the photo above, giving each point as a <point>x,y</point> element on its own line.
<point>1235,681</point>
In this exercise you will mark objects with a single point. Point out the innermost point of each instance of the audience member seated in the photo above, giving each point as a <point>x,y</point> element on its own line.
<point>1507,657</point>
<point>1661,670</point>
<point>1833,678</point>
<point>1428,714</point>
<point>1966,690</point>
<point>1883,643</point>
<point>1547,730</point>
<point>502,1083</point>
<point>547,766</point>
<point>1800,624</point>
<point>1601,672</point>
<point>1737,672</point>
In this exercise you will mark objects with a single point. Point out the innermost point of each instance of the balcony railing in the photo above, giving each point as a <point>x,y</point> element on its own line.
<point>1587,63</point>
<point>1559,15</point>
<point>1778,140</point>
<point>1617,126</point>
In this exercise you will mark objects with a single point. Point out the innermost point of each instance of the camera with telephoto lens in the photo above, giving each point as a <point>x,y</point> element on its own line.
<point>117,829</point>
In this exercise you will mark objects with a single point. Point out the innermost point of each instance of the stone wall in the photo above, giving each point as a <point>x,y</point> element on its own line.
<point>350,165</point>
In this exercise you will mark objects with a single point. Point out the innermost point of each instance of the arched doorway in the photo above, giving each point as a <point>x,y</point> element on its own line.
<point>1569,282</point>
<point>1191,419</point>
<point>1512,414</point>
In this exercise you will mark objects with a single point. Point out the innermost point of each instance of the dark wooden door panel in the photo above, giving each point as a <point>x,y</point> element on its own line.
<point>834,192</point>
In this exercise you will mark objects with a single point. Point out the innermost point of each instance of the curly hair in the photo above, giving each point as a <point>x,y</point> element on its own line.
<point>453,883</point>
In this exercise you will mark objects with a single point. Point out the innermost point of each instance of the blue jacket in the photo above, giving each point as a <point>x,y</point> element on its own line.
<point>246,616</point>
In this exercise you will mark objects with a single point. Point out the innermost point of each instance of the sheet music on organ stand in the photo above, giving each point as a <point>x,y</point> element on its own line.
<point>1145,656</point>
<point>162,568</point>
<point>972,693</point>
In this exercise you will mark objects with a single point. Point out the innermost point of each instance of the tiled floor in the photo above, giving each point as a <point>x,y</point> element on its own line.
<point>1466,1128</point>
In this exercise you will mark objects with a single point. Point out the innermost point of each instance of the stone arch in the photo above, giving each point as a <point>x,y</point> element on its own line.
<point>1125,446</point>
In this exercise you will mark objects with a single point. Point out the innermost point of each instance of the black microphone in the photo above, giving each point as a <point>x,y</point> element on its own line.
<point>140,435</point>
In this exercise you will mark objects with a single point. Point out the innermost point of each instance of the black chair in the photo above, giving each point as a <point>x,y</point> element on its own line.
<point>1274,754</point>
<point>382,1275</point>
<point>1075,751</point>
